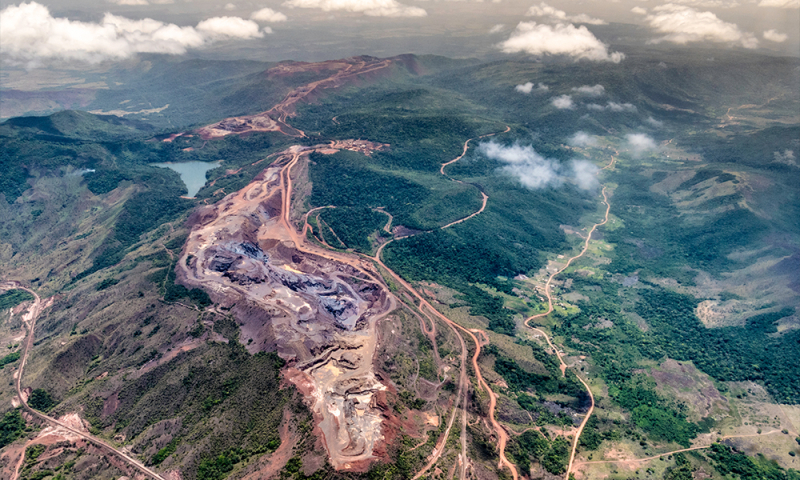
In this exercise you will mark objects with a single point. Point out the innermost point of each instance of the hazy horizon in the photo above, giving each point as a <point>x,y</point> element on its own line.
<point>72,34</point>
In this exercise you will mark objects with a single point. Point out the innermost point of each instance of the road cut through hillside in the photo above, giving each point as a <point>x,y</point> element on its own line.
<point>502,435</point>
<point>29,322</point>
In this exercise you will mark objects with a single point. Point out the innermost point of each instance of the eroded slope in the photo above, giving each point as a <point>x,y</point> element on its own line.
<point>318,308</point>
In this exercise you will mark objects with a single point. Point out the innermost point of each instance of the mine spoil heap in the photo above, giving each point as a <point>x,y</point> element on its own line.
<point>318,309</point>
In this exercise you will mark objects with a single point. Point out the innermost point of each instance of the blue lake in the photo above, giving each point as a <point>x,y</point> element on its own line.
<point>193,174</point>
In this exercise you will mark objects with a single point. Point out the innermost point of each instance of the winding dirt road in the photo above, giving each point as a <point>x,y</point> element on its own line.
<point>502,435</point>
<point>30,324</point>
<point>558,353</point>
<point>483,194</point>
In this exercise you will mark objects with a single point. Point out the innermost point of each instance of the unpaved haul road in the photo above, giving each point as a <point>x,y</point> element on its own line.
<point>502,435</point>
<point>34,312</point>
<point>563,365</point>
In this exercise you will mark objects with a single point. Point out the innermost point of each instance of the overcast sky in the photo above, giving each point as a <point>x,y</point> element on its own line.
<point>38,33</point>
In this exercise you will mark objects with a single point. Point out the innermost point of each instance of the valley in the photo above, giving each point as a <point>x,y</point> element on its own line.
<point>372,284</point>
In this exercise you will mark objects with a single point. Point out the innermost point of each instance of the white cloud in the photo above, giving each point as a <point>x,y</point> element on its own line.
<point>32,34</point>
<point>620,107</point>
<point>584,174</point>
<point>528,87</point>
<point>640,143</point>
<point>560,39</point>
<point>497,28</point>
<point>612,107</point>
<point>233,27</point>
<point>656,123</point>
<point>787,157</point>
<point>535,171</point>
<point>563,102</point>
<point>592,91</point>
<point>709,3</point>
<point>775,36</point>
<point>683,24</point>
<point>268,15</point>
<point>130,2</point>
<point>582,139</point>
<point>524,88</point>
<point>373,8</point>
<point>639,10</point>
<point>780,3</point>
<point>230,6</point>
<point>545,10</point>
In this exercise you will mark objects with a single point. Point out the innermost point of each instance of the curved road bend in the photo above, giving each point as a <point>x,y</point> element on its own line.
<point>501,433</point>
<point>36,310</point>
<point>286,192</point>
<point>286,187</point>
<point>563,365</point>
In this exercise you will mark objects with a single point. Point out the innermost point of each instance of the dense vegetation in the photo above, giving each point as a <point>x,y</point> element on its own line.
<point>521,379</point>
<point>10,358</point>
<point>730,462</point>
<point>440,256</point>
<point>653,243</point>
<point>354,225</point>
<point>753,352</point>
<point>425,127</point>
<point>12,298</point>
<point>346,179</point>
<point>553,454</point>
<point>652,413</point>
<point>40,399</point>
<point>11,427</point>
<point>727,354</point>
<point>489,306</point>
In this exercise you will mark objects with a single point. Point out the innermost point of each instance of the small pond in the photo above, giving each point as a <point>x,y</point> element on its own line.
<point>193,174</point>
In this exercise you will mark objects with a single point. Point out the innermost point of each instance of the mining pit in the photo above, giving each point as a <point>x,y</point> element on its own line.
<point>318,309</point>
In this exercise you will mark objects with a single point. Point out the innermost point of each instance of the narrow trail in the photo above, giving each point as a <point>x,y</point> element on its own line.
<point>306,226</point>
<point>464,152</point>
<point>388,227</point>
<point>36,310</point>
<point>690,449</point>
<point>483,194</point>
<point>558,353</point>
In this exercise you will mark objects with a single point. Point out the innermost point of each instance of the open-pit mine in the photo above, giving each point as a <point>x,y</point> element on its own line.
<point>317,308</point>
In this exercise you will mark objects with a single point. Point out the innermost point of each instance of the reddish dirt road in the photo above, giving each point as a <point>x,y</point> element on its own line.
<point>276,118</point>
<point>502,435</point>
<point>464,152</point>
<point>558,353</point>
<point>30,325</point>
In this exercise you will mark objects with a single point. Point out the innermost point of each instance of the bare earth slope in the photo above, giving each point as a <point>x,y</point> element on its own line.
<point>318,308</point>
<point>347,72</point>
